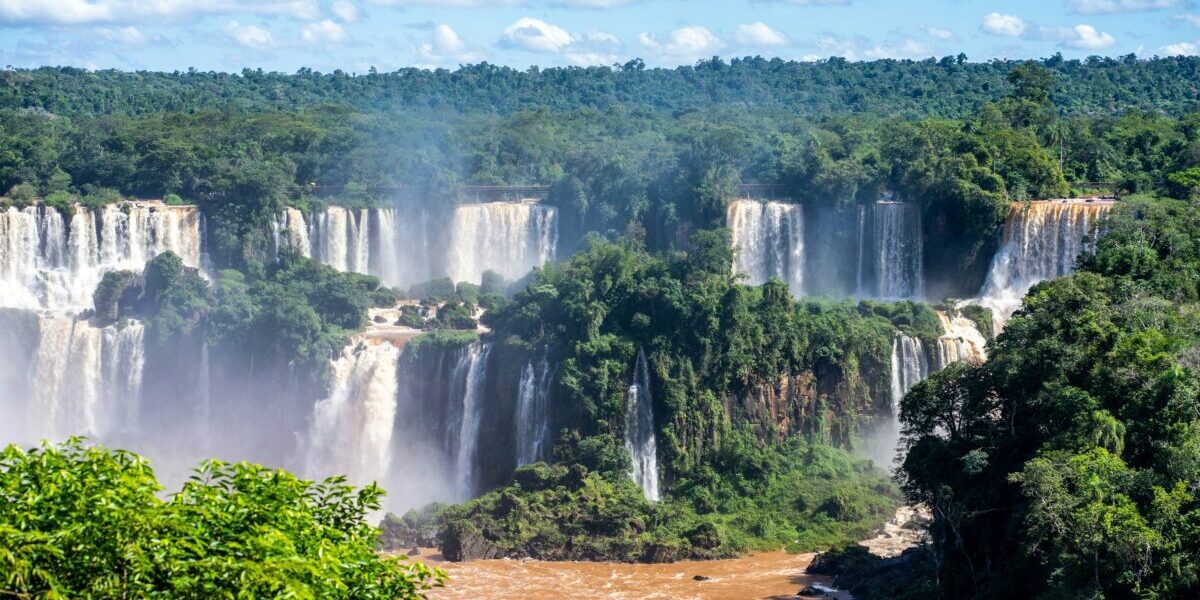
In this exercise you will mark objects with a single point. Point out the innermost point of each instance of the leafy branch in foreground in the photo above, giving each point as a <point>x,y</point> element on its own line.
<point>85,521</point>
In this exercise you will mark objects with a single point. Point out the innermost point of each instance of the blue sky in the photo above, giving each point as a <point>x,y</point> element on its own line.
<point>355,35</point>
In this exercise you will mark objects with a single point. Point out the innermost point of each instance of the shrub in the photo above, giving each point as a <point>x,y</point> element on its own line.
<point>85,521</point>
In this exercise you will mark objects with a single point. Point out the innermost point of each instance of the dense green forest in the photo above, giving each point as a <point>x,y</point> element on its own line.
<point>949,87</point>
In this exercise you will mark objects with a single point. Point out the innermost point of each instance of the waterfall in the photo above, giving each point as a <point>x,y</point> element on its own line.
<point>507,237</point>
<point>1041,241</point>
<point>909,366</point>
<point>768,241</point>
<point>470,376</point>
<point>386,256</point>
<point>899,264</point>
<point>290,230</point>
<point>87,379</point>
<point>351,429</point>
<point>640,439</point>
<point>960,341</point>
<point>49,262</point>
<point>533,419</point>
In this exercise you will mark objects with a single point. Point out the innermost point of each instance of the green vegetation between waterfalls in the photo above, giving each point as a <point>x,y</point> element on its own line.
<point>79,521</point>
<point>798,495</point>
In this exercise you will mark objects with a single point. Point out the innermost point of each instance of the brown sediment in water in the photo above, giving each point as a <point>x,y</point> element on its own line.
<point>768,575</point>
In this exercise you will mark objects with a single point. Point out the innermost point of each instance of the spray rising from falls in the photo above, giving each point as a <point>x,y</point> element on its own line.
<point>1041,241</point>
<point>768,240</point>
<point>640,439</point>
<point>351,430</point>
<point>87,379</point>
<point>51,262</point>
<point>533,406</point>
<point>509,238</point>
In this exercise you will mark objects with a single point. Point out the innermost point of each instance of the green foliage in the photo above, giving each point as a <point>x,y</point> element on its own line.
<point>22,195</point>
<point>753,497</point>
<point>60,201</point>
<point>437,290</point>
<point>1068,458</point>
<point>82,521</point>
<point>112,289</point>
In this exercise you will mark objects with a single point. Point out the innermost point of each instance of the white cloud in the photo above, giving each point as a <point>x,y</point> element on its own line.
<point>344,10</point>
<point>446,47</point>
<point>593,49</point>
<point>250,36</point>
<point>861,48</point>
<point>686,43</point>
<point>999,24</point>
<point>939,33</point>
<point>1180,49</point>
<point>322,32</point>
<point>1191,19</point>
<point>131,35</point>
<point>760,35</point>
<point>82,12</point>
<point>536,35</point>
<point>905,48</point>
<point>1088,38</point>
<point>502,3</point>
<point>1094,7</point>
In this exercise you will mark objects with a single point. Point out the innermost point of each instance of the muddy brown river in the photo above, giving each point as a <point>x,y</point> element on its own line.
<point>768,575</point>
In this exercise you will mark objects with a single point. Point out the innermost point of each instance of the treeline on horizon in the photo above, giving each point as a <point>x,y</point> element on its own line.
<point>947,87</point>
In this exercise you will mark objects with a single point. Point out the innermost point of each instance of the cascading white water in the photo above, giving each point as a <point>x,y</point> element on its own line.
<point>899,260</point>
<point>640,438</point>
<point>335,238</point>
<point>351,429</point>
<point>533,419</point>
<point>768,241</point>
<point>472,367</point>
<point>960,341</point>
<point>909,366</point>
<point>291,230</point>
<point>509,238</point>
<point>1041,241</point>
<point>48,262</point>
<point>87,379</point>
<point>386,260</point>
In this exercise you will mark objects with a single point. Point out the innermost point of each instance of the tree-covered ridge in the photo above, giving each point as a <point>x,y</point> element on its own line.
<point>946,87</point>
<point>84,521</point>
<point>1068,465</point>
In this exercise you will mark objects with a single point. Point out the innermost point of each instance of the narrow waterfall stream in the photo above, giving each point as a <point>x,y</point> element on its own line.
<point>640,439</point>
<point>474,370</point>
<point>533,406</point>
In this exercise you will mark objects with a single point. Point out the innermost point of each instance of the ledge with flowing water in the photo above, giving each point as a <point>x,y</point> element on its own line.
<point>52,261</point>
<point>869,251</point>
<point>1042,240</point>
<point>509,238</point>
